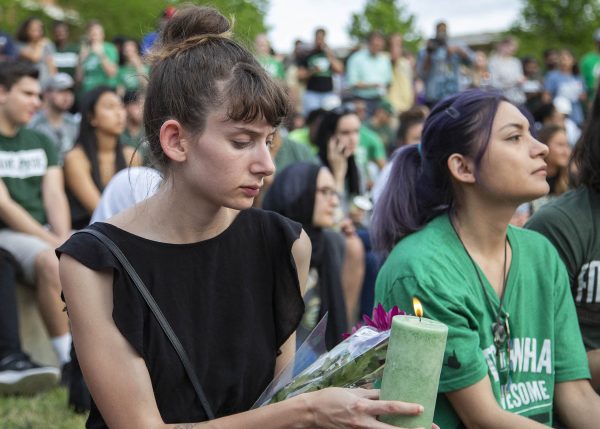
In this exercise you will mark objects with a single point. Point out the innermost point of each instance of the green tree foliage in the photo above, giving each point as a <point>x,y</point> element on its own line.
<point>134,18</point>
<point>556,24</point>
<point>388,17</point>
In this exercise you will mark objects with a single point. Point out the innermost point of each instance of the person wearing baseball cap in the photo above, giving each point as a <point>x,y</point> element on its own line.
<point>381,123</point>
<point>54,119</point>
<point>590,66</point>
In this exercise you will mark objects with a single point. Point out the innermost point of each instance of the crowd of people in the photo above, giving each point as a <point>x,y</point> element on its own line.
<point>255,193</point>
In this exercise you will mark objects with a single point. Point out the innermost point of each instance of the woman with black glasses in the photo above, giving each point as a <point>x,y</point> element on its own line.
<point>514,351</point>
<point>306,193</point>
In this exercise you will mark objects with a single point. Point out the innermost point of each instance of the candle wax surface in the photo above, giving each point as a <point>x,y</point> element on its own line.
<point>413,366</point>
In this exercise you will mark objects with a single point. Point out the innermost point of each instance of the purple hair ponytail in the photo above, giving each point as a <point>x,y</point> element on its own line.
<point>420,187</point>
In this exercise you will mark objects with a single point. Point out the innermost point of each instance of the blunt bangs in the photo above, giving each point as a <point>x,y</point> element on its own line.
<point>252,95</point>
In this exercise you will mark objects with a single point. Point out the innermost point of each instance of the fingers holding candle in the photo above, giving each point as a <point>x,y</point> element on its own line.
<point>387,407</point>
<point>358,408</point>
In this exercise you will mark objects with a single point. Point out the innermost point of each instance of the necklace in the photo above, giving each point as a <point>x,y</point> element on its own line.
<point>500,326</point>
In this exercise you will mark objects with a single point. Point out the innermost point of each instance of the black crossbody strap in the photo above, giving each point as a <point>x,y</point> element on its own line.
<point>157,313</point>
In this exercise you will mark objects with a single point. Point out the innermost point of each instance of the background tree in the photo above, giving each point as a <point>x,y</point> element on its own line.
<point>387,16</point>
<point>547,24</point>
<point>131,18</point>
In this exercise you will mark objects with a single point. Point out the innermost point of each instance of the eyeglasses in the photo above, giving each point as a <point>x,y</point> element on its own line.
<point>328,192</point>
<point>502,342</point>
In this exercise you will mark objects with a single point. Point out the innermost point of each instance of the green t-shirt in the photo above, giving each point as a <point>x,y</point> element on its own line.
<point>65,59</point>
<point>93,72</point>
<point>432,265</point>
<point>138,143</point>
<point>273,66</point>
<point>129,77</point>
<point>369,140</point>
<point>385,133</point>
<point>24,160</point>
<point>572,223</point>
<point>302,135</point>
<point>590,70</point>
<point>292,151</point>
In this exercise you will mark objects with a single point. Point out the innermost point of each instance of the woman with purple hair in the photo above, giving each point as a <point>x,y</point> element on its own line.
<point>514,353</point>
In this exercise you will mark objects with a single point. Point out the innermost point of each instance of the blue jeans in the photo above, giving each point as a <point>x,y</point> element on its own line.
<point>314,100</point>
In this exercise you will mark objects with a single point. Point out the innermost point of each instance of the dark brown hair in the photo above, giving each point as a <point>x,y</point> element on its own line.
<point>12,72</point>
<point>23,29</point>
<point>586,155</point>
<point>407,119</point>
<point>197,68</point>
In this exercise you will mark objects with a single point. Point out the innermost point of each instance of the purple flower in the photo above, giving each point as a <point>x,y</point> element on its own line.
<point>380,320</point>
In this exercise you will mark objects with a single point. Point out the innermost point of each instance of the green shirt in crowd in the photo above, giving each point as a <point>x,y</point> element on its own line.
<point>65,58</point>
<point>273,66</point>
<point>129,77</point>
<point>93,72</point>
<point>572,223</point>
<point>302,135</point>
<point>24,160</point>
<point>386,135</point>
<point>547,348</point>
<point>373,145</point>
<point>590,70</point>
<point>137,142</point>
<point>291,152</point>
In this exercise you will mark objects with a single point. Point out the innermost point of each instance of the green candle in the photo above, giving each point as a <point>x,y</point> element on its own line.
<point>412,367</point>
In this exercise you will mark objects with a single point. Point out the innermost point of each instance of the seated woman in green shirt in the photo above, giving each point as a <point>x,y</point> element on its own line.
<point>98,60</point>
<point>514,352</point>
<point>133,73</point>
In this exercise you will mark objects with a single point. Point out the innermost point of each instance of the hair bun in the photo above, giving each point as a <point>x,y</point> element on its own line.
<point>190,26</point>
<point>193,21</point>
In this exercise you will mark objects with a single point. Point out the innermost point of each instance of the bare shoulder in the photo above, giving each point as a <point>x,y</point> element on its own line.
<point>301,251</point>
<point>76,158</point>
<point>73,274</point>
<point>132,156</point>
<point>302,247</point>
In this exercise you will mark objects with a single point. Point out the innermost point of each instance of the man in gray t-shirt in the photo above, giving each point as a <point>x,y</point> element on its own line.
<point>55,121</point>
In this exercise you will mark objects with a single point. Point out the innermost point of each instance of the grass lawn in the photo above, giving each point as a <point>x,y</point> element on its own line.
<point>44,410</point>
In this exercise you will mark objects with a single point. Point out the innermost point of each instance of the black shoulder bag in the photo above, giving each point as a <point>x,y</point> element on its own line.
<point>139,284</point>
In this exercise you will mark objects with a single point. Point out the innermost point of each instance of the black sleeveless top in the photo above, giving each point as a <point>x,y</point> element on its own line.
<point>232,300</point>
<point>80,218</point>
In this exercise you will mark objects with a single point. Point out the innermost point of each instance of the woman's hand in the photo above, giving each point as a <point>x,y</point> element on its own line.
<point>347,227</point>
<point>84,52</point>
<point>337,155</point>
<point>98,48</point>
<point>334,408</point>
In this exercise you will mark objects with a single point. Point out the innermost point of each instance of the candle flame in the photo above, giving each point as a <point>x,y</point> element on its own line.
<point>418,307</point>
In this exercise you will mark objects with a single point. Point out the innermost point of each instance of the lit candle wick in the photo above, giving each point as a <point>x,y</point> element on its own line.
<point>418,308</point>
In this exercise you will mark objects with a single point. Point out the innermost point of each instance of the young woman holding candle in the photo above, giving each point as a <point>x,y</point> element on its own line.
<point>514,352</point>
<point>226,277</point>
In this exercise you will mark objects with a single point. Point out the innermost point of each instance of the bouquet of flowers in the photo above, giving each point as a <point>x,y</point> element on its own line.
<point>356,361</point>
